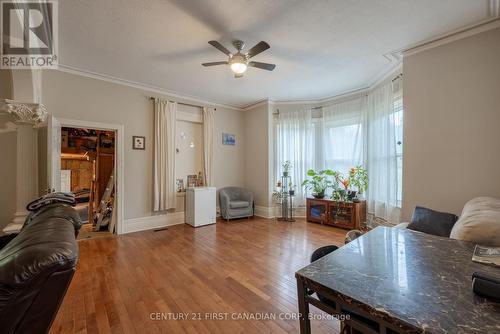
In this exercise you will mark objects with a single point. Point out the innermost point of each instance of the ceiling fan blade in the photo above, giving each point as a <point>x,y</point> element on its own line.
<point>236,75</point>
<point>264,66</point>
<point>258,48</point>
<point>215,63</point>
<point>219,47</point>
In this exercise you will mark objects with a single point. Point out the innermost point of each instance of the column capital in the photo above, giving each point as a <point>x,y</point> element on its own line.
<point>30,113</point>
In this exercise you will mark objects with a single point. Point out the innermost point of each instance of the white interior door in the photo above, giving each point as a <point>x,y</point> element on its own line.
<point>54,154</point>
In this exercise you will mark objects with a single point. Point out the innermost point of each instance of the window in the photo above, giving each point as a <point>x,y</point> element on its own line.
<point>367,130</point>
<point>343,147</point>
<point>398,122</point>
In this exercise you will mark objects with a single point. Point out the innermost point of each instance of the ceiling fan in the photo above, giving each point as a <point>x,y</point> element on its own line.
<point>239,61</point>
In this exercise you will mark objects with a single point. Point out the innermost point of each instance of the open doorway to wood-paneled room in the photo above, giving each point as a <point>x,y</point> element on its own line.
<point>88,170</point>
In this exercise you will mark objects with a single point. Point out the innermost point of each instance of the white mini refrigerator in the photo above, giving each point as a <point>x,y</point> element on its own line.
<point>200,206</point>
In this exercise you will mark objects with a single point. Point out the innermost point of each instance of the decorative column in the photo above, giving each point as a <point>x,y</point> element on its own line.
<point>26,116</point>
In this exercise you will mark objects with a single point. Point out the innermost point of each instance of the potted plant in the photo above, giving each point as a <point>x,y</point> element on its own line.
<point>358,177</point>
<point>320,181</point>
<point>278,195</point>
<point>287,166</point>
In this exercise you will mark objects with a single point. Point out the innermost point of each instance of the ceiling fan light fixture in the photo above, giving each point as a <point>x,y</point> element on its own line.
<point>238,68</point>
<point>239,61</point>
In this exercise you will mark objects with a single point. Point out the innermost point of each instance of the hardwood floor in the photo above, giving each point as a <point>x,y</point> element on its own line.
<point>244,268</point>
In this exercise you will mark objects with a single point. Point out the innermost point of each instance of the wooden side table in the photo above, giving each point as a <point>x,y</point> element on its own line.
<point>347,215</point>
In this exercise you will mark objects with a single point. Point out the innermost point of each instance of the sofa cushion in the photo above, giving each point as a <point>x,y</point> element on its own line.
<point>479,222</point>
<point>432,222</point>
<point>238,204</point>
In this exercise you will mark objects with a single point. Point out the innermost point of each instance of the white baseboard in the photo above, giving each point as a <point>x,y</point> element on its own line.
<point>152,222</point>
<point>270,212</point>
<point>264,211</point>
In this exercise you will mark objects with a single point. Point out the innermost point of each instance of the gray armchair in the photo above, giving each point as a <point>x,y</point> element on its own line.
<point>235,203</point>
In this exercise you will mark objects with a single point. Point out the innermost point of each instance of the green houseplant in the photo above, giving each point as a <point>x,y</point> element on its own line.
<point>358,177</point>
<point>319,182</point>
<point>287,166</point>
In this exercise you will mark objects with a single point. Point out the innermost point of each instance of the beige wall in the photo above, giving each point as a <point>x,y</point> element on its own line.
<point>229,161</point>
<point>77,97</point>
<point>5,84</point>
<point>452,123</point>
<point>258,154</point>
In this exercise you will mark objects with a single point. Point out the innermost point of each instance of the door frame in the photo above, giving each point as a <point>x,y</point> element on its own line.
<point>119,160</point>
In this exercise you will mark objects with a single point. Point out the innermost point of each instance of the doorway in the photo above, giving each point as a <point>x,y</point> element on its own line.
<point>112,150</point>
<point>88,171</point>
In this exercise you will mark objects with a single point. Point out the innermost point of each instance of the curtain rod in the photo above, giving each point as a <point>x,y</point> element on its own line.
<point>400,75</point>
<point>184,104</point>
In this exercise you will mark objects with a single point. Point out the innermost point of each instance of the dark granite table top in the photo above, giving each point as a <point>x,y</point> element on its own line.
<point>410,279</point>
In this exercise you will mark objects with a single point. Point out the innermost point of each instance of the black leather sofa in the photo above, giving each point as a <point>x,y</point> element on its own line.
<point>36,267</point>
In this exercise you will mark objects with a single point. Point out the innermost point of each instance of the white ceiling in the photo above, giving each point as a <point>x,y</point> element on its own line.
<point>321,48</point>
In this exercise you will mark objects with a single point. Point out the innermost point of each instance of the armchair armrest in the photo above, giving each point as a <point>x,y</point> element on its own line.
<point>224,202</point>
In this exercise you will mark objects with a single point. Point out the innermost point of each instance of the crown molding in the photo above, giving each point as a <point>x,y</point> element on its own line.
<point>395,57</point>
<point>257,104</point>
<point>320,102</point>
<point>454,35</point>
<point>145,87</point>
<point>394,70</point>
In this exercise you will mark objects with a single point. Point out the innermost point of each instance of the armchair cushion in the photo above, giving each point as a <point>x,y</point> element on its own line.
<point>238,204</point>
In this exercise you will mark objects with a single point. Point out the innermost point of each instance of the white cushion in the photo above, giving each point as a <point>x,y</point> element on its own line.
<point>402,225</point>
<point>479,222</point>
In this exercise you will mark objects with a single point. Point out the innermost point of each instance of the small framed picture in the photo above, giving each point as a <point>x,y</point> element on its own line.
<point>138,142</point>
<point>180,185</point>
<point>228,139</point>
<point>191,181</point>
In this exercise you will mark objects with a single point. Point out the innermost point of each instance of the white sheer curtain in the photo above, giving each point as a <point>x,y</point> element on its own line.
<point>164,196</point>
<point>294,135</point>
<point>362,131</point>
<point>208,145</point>
<point>344,135</point>
<point>382,194</point>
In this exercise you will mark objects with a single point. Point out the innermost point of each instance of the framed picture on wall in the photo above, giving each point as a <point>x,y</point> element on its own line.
<point>138,142</point>
<point>228,139</point>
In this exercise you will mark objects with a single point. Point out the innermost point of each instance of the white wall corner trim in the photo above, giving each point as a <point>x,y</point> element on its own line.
<point>494,9</point>
<point>153,222</point>
<point>146,87</point>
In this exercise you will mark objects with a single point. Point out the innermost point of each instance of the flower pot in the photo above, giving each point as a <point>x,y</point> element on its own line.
<point>319,196</point>
<point>351,195</point>
<point>292,192</point>
<point>285,174</point>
